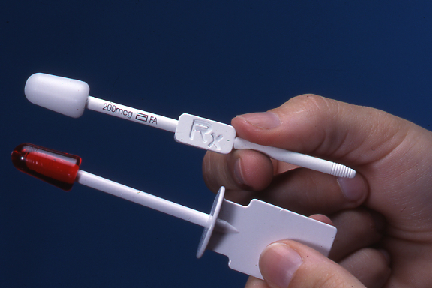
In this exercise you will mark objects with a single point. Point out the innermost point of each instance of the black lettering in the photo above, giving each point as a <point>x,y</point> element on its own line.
<point>153,120</point>
<point>142,117</point>
<point>114,109</point>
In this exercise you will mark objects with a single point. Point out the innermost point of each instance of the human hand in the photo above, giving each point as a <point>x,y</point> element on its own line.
<point>383,215</point>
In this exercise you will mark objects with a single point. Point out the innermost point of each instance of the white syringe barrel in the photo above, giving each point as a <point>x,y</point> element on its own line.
<point>60,94</point>
<point>70,97</point>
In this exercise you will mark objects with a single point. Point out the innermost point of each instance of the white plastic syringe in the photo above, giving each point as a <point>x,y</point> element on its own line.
<point>239,232</point>
<point>70,97</point>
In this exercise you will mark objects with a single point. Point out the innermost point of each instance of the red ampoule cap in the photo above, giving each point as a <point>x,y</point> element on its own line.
<point>57,168</point>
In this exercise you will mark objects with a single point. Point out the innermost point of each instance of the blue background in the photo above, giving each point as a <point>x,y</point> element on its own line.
<point>215,59</point>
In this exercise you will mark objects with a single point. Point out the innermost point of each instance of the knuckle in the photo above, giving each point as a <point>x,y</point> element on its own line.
<point>315,108</point>
<point>315,118</point>
<point>312,102</point>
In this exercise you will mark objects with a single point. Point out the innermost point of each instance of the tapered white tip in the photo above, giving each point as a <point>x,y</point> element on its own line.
<point>60,94</point>
<point>340,170</point>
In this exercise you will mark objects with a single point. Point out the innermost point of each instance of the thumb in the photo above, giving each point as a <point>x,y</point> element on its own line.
<point>327,128</point>
<point>290,264</point>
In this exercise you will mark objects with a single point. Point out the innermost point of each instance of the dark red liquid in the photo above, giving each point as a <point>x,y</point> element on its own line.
<point>57,168</point>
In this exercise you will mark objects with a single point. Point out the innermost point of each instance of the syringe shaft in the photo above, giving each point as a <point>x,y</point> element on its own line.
<point>70,97</point>
<point>148,200</point>
<point>131,114</point>
<point>299,159</point>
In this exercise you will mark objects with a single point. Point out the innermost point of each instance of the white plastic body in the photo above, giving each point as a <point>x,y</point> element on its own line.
<point>148,200</point>
<point>241,232</point>
<point>299,159</point>
<point>70,97</point>
<point>131,114</point>
<point>260,224</point>
<point>60,94</point>
<point>204,133</point>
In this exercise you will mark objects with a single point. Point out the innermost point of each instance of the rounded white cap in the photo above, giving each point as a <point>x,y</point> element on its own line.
<point>60,94</point>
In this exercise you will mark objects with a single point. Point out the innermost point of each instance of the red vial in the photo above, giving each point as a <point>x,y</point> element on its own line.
<point>57,168</point>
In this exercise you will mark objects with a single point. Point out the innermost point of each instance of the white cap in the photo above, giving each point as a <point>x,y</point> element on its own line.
<point>60,94</point>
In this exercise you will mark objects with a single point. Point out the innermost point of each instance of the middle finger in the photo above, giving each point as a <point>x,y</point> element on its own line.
<point>310,192</point>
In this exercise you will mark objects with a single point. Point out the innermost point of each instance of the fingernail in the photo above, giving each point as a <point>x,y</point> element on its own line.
<point>238,172</point>
<point>266,120</point>
<point>353,189</point>
<point>278,264</point>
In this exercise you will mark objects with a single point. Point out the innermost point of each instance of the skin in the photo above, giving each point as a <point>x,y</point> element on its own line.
<point>383,215</point>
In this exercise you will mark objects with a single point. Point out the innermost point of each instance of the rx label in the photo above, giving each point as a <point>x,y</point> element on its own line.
<point>203,129</point>
<point>205,133</point>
